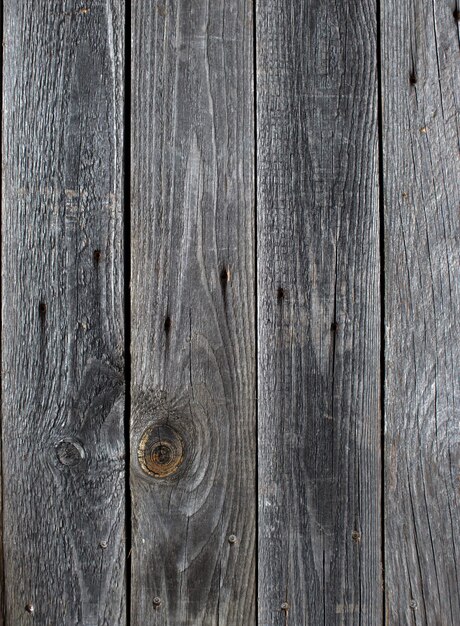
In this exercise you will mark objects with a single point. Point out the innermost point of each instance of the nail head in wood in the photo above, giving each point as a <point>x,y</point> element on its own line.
<point>156,601</point>
<point>30,608</point>
<point>232,539</point>
<point>356,536</point>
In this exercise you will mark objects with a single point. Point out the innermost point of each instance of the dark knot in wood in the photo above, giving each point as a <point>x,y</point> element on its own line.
<point>160,451</point>
<point>69,452</point>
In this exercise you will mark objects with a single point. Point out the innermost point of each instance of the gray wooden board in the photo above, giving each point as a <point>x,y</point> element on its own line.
<point>62,333</point>
<point>319,313</point>
<point>192,299</point>
<point>193,422</point>
<point>421,92</point>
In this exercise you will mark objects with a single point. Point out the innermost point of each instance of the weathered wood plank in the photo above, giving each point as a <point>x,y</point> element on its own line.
<point>62,334</point>
<point>319,313</point>
<point>193,363</point>
<point>421,90</point>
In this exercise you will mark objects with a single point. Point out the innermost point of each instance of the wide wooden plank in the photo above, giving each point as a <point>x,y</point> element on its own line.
<point>319,313</point>
<point>62,333</point>
<point>421,91</point>
<point>193,363</point>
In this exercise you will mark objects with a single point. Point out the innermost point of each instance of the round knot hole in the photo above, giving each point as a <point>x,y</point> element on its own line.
<point>160,451</point>
<point>69,452</point>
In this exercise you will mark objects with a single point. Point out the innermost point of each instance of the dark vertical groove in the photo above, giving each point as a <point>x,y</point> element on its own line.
<point>382,292</point>
<point>256,303</point>
<point>127,294</point>
<point>2,546</point>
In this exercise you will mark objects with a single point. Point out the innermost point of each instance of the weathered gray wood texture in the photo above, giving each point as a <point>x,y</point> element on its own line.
<point>421,92</point>
<point>62,333</point>
<point>319,313</point>
<point>194,312</point>
<point>192,294</point>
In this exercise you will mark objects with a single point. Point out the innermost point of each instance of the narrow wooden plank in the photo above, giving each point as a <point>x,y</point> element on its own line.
<point>62,333</point>
<point>421,88</point>
<point>319,313</point>
<point>193,364</point>
<point>2,558</point>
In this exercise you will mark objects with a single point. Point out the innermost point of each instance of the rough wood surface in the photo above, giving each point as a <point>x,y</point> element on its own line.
<point>62,333</point>
<point>193,363</point>
<point>319,314</point>
<point>421,92</point>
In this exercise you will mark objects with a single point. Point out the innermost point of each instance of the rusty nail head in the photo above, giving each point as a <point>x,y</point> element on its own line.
<point>157,601</point>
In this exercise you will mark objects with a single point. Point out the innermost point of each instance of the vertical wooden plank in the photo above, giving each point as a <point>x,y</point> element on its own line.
<point>62,334</point>
<point>193,365</point>
<point>421,89</point>
<point>319,313</point>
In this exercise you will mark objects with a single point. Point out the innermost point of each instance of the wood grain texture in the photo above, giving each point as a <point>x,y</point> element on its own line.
<point>62,333</point>
<point>421,91</point>
<point>193,363</point>
<point>319,314</point>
